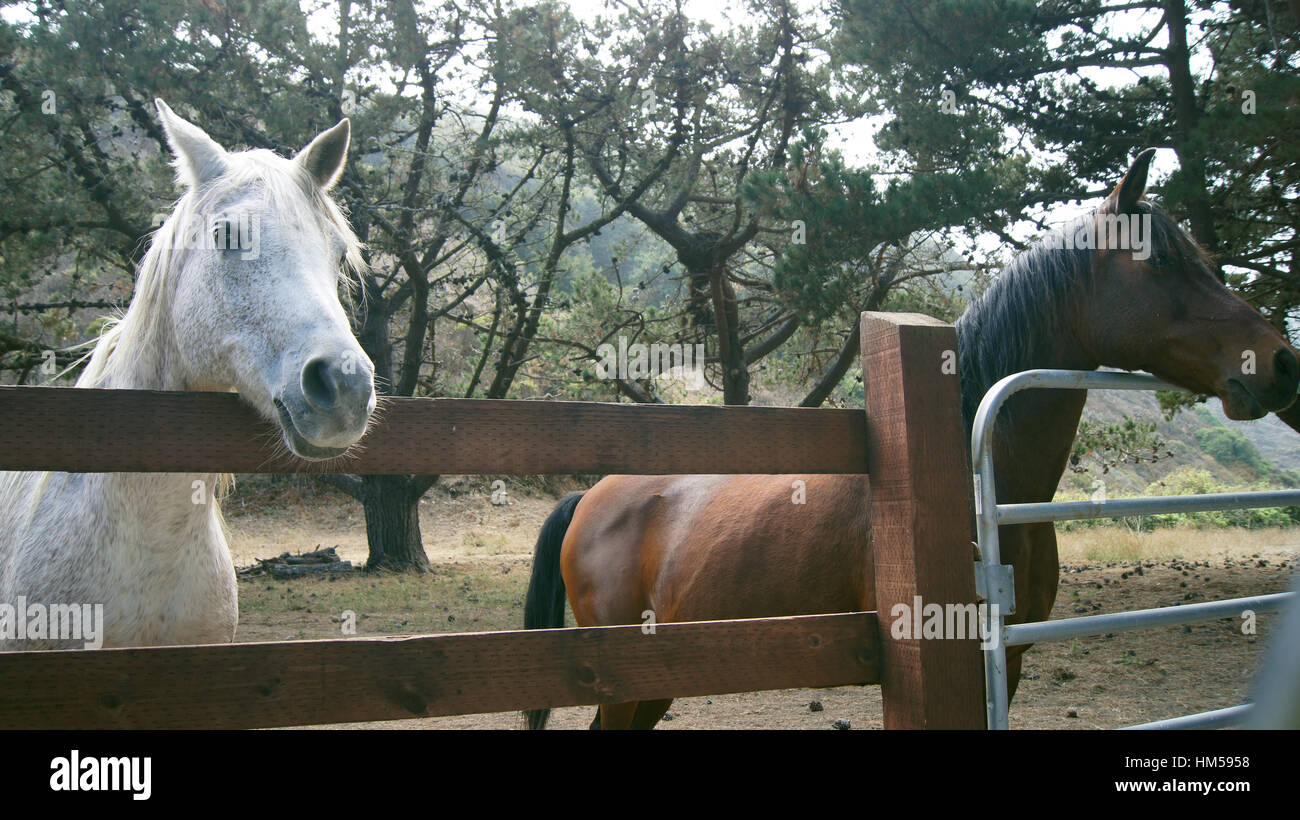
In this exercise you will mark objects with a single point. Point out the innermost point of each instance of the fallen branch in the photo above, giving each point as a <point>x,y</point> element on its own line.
<point>285,565</point>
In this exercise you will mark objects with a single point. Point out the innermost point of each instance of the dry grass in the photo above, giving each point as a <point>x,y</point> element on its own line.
<point>464,527</point>
<point>458,597</point>
<point>1103,545</point>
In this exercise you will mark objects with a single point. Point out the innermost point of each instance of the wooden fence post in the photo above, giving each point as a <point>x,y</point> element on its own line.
<point>921,517</point>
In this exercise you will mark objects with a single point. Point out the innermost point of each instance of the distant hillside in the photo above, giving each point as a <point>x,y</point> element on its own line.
<point>1233,452</point>
<point>1274,440</point>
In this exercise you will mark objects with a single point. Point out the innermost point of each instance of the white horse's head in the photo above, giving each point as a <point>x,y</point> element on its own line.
<point>258,252</point>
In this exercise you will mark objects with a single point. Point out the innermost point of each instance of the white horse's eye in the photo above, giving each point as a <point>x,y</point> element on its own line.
<point>225,235</point>
<point>230,235</point>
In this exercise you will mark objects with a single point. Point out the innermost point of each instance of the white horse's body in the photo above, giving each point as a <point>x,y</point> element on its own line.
<point>161,570</point>
<point>262,318</point>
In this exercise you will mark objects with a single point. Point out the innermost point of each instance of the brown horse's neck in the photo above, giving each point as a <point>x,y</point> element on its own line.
<point>1026,321</point>
<point>1036,429</point>
<point>1031,454</point>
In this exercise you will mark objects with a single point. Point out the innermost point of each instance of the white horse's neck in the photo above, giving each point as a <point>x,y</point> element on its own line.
<point>140,353</point>
<point>150,547</point>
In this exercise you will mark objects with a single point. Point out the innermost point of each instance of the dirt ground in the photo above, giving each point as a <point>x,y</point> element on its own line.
<point>482,554</point>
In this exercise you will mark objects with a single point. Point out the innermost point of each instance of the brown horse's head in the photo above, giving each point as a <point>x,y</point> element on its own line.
<point>1159,304</point>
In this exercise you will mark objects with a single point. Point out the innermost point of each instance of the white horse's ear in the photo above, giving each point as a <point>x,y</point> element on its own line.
<point>325,157</point>
<point>198,157</point>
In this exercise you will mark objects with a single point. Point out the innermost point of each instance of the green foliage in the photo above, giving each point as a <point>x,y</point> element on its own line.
<point>1249,141</point>
<point>1230,448</point>
<point>851,240</point>
<point>1104,446</point>
<point>1192,481</point>
<point>1172,402</point>
<point>1068,93</point>
<point>732,118</point>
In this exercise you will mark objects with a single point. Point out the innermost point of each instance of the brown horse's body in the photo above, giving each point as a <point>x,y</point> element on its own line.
<point>765,555</point>
<point>710,547</point>
<point>688,548</point>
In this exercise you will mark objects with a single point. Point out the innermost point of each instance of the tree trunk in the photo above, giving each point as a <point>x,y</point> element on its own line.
<point>393,523</point>
<point>1200,210</point>
<point>735,370</point>
<point>849,352</point>
<point>735,380</point>
<point>392,514</point>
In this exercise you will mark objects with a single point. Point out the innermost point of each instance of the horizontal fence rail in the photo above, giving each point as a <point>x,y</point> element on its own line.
<point>909,431</point>
<point>82,430</point>
<point>995,577</point>
<point>301,683</point>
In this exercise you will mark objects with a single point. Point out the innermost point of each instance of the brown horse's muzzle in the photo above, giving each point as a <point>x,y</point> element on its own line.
<point>1252,395</point>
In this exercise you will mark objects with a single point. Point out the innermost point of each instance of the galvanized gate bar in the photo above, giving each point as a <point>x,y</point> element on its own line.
<point>991,576</point>
<point>1146,505</point>
<point>1217,719</point>
<point>1066,628</point>
<point>994,579</point>
<point>1276,691</point>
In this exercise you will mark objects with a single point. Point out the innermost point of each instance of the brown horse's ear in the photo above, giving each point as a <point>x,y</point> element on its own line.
<point>1129,191</point>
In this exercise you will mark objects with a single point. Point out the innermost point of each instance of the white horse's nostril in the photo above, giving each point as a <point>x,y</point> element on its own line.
<point>319,384</point>
<point>334,397</point>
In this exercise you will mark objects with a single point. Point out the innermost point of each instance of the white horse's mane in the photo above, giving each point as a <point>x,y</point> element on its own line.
<point>288,191</point>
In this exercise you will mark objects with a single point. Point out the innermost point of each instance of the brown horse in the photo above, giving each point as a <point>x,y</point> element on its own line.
<point>707,547</point>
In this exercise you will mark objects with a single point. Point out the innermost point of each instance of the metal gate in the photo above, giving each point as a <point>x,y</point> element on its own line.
<point>994,580</point>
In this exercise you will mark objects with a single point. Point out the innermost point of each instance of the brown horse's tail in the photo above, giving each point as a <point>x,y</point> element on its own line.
<point>544,606</point>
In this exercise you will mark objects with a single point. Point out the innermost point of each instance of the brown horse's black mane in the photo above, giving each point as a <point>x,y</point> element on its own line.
<point>1030,304</point>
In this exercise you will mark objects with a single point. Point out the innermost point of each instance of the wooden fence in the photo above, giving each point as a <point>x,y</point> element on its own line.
<point>909,441</point>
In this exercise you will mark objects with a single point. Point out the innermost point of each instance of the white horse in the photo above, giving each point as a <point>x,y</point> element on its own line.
<point>239,291</point>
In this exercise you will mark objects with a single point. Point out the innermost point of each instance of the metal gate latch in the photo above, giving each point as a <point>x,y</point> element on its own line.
<point>996,586</point>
